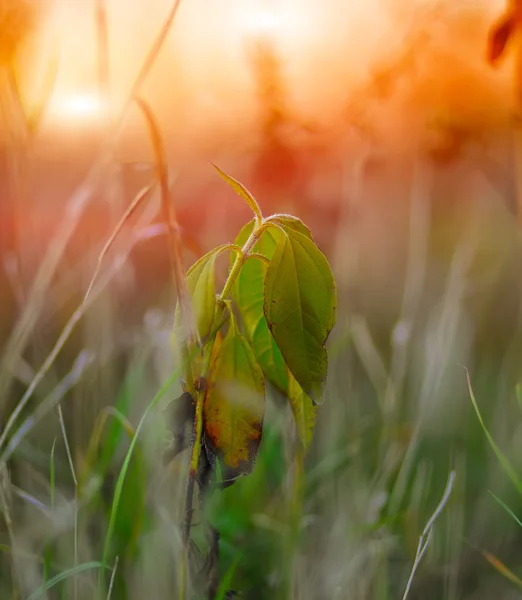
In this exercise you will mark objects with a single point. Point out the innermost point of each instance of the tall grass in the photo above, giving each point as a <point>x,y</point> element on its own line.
<point>89,510</point>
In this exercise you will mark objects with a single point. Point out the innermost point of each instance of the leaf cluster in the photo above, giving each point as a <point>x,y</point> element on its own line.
<point>270,323</point>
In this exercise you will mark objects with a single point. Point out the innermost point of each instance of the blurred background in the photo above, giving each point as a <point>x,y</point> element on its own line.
<point>382,126</point>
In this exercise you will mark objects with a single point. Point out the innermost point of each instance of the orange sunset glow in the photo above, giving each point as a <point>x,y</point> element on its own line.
<point>291,96</point>
<point>288,94</point>
<point>329,194</point>
<point>328,51</point>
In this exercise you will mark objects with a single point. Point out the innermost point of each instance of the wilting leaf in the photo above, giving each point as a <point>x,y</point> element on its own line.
<point>234,405</point>
<point>299,307</point>
<point>500,34</point>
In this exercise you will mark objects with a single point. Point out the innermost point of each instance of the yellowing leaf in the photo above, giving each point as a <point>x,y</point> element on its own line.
<point>234,405</point>
<point>299,307</point>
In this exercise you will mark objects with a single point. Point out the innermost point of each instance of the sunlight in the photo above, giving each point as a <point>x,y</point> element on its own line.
<point>259,20</point>
<point>262,22</point>
<point>77,106</point>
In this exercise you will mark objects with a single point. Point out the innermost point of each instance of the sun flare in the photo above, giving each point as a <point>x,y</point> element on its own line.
<point>77,106</point>
<point>263,20</point>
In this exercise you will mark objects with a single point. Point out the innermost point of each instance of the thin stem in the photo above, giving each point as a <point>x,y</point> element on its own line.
<point>151,57</point>
<point>102,38</point>
<point>75,480</point>
<point>427,533</point>
<point>193,470</point>
<point>51,357</point>
<point>67,446</point>
<point>142,195</point>
<point>169,214</point>
<point>242,254</point>
<point>5,483</point>
<point>241,258</point>
<point>113,576</point>
<point>77,204</point>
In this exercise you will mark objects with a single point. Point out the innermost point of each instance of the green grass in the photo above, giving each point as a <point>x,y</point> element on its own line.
<point>371,480</point>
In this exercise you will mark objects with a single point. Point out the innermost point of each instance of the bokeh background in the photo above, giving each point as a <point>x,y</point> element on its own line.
<point>379,123</point>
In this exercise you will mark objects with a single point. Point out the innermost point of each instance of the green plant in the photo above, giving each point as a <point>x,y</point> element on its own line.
<point>270,323</point>
<point>512,475</point>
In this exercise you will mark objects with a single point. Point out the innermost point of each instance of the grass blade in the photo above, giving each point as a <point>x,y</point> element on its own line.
<point>427,533</point>
<point>506,465</point>
<point>507,509</point>
<point>142,195</point>
<point>501,568</point>
<point>52,475</point>
<point>63,576</point>
<point>125,467</point>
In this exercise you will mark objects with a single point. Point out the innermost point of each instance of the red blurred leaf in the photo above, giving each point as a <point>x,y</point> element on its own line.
<point>499,36</point>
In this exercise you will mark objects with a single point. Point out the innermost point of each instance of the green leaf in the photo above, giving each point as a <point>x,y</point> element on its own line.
<point>304,411</point>
<point>243,236</point>
<point>290,223</point>
<point>201,285</point>
<point>202,289</point>
<point>266,244</point>
<point>299,307</point>
<point>241,190</point>
<point>248,294</point>
<point>234,405</point>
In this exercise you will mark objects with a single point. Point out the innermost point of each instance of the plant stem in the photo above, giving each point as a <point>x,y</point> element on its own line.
<point>169,215</point>
<point>75,480</point>
<point>241,257</point>
<point>193,470</point>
